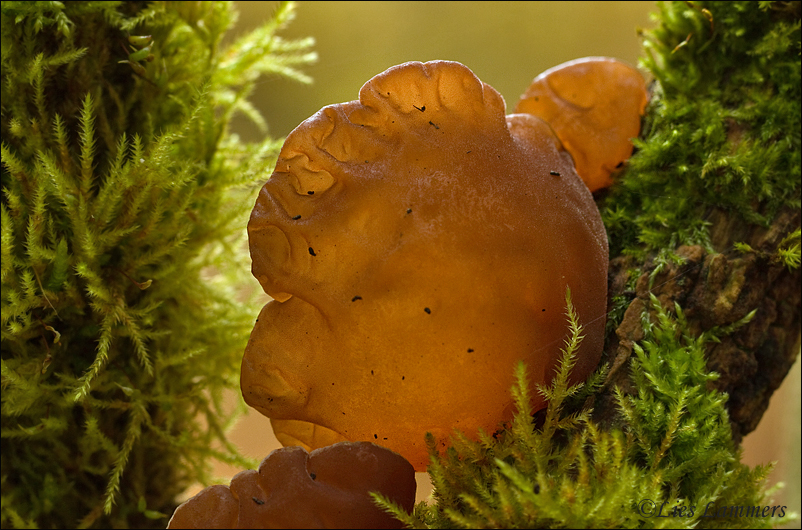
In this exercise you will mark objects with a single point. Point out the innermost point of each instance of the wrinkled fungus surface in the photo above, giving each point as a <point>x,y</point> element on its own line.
<point>417,243</point>
<point>327,488</point>
<point>594,105</point>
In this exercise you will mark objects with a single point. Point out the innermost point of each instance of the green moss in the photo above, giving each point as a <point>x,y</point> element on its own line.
<point>615,314</point>
<point>788,251</point>
<point>123,205</point>
<point>722,130</point>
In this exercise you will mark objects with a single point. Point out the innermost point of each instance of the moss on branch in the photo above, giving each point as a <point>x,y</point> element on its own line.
<point>122,224</point>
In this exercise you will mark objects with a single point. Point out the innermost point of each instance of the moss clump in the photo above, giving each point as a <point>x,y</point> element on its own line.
<point>722,130</point>
<point>123,204</point>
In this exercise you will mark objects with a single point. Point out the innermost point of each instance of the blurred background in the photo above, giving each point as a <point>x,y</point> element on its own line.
<point>506,44</point>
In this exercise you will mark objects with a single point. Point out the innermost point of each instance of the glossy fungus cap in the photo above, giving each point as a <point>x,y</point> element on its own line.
<point>327,488</point>
<point>418,244</point>
<point>594,105</point>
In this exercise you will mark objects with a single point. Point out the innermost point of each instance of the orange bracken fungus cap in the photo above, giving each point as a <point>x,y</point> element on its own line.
<point>418,243</point>
<point>594,105</point>
<point>327,488</point>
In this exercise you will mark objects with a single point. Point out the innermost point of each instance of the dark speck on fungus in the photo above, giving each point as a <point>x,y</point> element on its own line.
<point>555,173</point>
<point>428,311</point>
<point>296,217</point>
<point>312,251</point>
<point>357,297</point>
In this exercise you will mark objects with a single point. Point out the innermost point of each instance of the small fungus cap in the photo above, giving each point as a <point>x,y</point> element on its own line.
<point>594,105</point>
<point>327,488</point>
<point>418,243</point>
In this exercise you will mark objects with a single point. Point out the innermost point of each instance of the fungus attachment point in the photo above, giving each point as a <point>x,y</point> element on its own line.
<point>594,105</point>
<point>327,488</point>
<point>392,361</point>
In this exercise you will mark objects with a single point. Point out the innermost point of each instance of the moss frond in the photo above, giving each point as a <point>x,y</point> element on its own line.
<point>788,252</point>
<point>121,190</point>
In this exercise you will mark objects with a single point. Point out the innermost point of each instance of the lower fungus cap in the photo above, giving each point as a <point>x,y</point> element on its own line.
<point>327,488</point>
<point>418,244</point>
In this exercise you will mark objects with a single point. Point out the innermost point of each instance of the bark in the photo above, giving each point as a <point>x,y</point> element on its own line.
<point>716,289</point>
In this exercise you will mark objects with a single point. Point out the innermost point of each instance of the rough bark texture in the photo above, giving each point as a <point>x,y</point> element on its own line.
<point>717,289</point>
